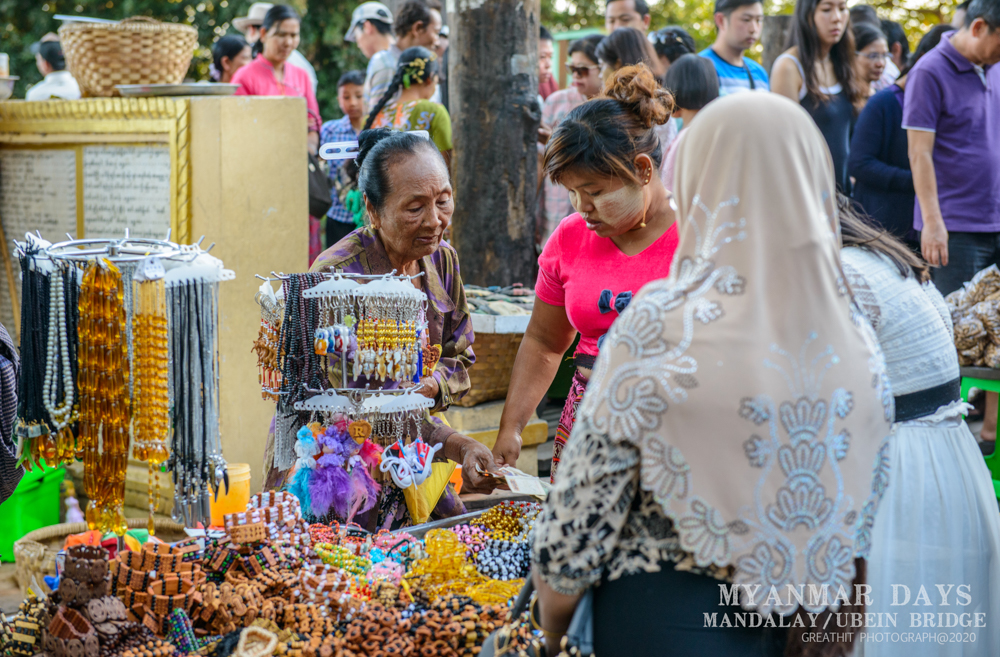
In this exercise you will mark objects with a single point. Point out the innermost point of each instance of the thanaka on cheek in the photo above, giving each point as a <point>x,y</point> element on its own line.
<point>622,206</point>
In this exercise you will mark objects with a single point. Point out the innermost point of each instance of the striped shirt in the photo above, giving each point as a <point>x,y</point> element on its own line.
<point>737,78</point>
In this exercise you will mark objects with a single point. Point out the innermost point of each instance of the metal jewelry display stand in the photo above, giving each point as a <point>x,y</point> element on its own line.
<point>343,295</point>
<point>178,266</point>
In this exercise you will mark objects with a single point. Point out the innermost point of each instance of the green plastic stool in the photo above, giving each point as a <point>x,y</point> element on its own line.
<point>984,378</point>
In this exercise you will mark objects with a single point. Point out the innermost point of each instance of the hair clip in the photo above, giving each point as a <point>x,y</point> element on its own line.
<point>339,150</point>
<point>348,150</point>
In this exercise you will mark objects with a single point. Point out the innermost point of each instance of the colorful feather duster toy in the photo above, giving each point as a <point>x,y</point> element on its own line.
<point>341,481</point>
<point>306,448</point>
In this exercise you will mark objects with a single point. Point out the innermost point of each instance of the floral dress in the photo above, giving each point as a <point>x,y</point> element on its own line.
<point>418,115</point>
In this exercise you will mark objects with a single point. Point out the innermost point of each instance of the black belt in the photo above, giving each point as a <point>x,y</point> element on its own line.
<point>922,403</point>
<point>585,361</point>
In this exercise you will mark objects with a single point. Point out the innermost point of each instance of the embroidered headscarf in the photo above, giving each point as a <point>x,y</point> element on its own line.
<point>753,389</point>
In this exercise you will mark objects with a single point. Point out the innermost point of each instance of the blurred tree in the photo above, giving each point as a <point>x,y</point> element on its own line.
<point>323,28</point>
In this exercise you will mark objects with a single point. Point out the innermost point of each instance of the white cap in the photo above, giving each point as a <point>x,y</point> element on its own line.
<point>365,12</point>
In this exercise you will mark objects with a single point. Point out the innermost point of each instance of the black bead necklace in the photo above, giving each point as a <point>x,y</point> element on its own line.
<point>31,414</point>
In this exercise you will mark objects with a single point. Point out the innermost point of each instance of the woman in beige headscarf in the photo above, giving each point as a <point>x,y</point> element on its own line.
<point>736,422</point>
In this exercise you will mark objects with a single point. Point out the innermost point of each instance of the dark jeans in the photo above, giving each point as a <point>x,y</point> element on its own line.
<point>968,254</point>
<point>664,613</point>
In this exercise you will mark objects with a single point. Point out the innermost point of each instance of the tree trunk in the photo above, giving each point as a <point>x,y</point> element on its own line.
<point>493,80</point>
<point>393,5</point>
<point>774,38</point>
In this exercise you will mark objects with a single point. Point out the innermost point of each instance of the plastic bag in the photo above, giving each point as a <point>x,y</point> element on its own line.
<point>983,284</point>
<point>969,331</point>
<point>988,312</point>
<point>971,356</point>
<point>991,356</point>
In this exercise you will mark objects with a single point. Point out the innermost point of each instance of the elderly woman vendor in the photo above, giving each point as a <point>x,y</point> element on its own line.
<point>408,199</point>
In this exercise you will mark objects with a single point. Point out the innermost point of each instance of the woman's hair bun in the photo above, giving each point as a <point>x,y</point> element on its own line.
<point>636,88</point>
<point>367,140</point>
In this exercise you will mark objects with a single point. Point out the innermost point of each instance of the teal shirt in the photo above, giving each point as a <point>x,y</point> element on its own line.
<point>737,78</point>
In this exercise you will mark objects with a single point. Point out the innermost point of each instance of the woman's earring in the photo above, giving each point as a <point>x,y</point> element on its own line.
<point>642,224</point>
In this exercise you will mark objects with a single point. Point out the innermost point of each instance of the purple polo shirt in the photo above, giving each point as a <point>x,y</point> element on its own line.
<point>947,96</point>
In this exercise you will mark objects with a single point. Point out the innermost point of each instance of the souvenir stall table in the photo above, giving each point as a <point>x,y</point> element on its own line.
<point>268,581</point>
<point>271,584</point>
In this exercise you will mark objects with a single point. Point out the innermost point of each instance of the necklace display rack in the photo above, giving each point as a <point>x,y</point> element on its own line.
<point>365,329</point>
<point>122,354</point>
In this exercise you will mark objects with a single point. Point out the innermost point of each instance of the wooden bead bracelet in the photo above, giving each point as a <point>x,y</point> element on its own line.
<point>137,580</point>
<point>76,593</point>
<point>170,593</point>
<point>70,634</point>
<point>86,563</point>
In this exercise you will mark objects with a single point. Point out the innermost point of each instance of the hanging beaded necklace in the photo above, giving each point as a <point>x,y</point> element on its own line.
<point>152,405</point>
<point>196,461</point>
<point>104,399</point>
<point>57,362</point>
<point>266,346</point>
<point>34,325</point>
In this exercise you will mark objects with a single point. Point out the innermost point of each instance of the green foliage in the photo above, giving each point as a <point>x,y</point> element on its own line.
<point>323,28</point>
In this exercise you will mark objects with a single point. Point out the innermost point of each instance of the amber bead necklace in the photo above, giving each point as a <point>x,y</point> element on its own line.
<point>104,397</point>
<point>152,403</point>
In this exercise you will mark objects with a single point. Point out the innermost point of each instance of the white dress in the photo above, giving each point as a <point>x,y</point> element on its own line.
<point>938,525</point>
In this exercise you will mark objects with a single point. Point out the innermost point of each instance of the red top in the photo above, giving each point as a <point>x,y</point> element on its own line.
<point>593,279</point>
<point>548,87</point>
<point>257,79</point>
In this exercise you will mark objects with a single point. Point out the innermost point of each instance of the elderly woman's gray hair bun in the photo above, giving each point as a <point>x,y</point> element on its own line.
<point>377,150</point>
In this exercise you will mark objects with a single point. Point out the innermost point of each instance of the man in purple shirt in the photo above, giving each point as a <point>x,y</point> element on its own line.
<point>952,121</point>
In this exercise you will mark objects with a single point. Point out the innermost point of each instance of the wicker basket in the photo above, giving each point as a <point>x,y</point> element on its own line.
<point>35,554</point>
<point>490,375</point>
<point>137,50</point>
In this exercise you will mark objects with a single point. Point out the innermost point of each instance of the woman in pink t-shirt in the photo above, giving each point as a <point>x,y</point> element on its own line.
<point>607,154</point>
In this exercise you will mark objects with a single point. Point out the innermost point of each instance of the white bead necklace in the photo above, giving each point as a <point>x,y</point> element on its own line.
<point>58,347</point>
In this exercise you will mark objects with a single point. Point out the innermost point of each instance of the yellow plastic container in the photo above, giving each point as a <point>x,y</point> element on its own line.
<point>238,497</point>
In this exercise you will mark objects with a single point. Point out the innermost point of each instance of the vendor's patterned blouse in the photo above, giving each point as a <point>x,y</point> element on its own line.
<point>449,323</point>
<point>598,522</point>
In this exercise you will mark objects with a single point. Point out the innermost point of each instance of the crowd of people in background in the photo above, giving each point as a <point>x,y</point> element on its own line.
<point>913,137</point>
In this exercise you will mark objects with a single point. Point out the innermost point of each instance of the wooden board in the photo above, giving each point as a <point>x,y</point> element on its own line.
<point>106,189</point>
<point>37,192</point>
<point>126,187</point>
